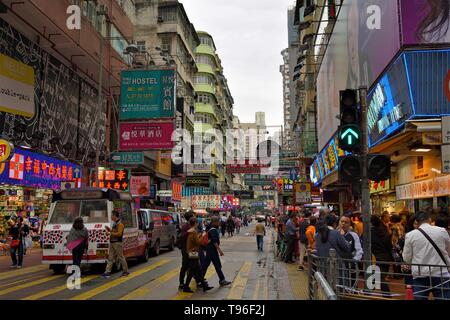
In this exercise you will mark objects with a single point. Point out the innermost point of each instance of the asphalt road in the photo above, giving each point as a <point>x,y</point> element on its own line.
<point>254,275</point>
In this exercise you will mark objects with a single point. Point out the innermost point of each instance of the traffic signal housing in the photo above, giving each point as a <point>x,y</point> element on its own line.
<point>378,167</point>
<point>350,127</point>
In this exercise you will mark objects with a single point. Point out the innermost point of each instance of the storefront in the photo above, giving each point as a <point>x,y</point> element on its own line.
<point>27,182</point>
<point>382,196</point>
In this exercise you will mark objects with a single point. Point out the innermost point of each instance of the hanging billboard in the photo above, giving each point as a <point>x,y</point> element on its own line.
<point>147,94</point>
<point>140,136</point>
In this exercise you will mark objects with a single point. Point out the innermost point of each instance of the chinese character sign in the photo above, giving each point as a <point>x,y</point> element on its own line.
<point>140,186</point>
<point>147,94</point>
<point>35,170</point>
<point>118,179</point>
<point>146,136</point>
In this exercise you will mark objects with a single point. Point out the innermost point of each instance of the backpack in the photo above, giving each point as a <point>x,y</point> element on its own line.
<point>303,226</point>
<point>204,240</point>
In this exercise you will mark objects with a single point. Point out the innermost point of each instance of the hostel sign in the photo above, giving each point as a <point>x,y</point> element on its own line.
<point>147,94</point>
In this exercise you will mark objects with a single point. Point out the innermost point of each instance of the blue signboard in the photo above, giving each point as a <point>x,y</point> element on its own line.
<point>390,103</point>
<point>31,169</point>
<point>147,94</point>
<point>416,85</point>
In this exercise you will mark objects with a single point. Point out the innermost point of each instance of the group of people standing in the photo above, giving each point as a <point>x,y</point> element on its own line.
<point>231,224</point>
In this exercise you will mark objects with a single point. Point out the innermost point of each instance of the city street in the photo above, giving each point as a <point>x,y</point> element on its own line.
<point>254,276</point>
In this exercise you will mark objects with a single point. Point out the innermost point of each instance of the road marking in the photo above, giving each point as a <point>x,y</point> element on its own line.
<point>185,295</point>
<point>21,272</point>
<point>23,279</point>
<point>30,284</point>
<point>49,292</point>
<point>239,284</point>
<point>145,290</point>
<point>96,291</point>
<point>256,293</point>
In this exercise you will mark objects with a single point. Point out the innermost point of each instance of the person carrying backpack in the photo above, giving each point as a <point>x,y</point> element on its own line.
<point>213,251</point>
<point>303,242</point>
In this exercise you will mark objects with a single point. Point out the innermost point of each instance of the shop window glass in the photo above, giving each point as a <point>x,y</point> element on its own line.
<point>94,211</point>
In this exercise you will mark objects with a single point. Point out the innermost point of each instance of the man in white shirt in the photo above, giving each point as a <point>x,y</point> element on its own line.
<point>419,250</point>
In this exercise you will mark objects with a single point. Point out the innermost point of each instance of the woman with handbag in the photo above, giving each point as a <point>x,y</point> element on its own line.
<point>18,232</point>
<point>77,241</point>
<point>192,247</point>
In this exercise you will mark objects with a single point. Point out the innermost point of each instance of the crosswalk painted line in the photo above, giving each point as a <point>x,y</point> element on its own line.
<point>30,284</point>
<point>21,272</point>
<point>185,295</point>
<point>239,284</point>
<point>111,284</point>
<point>23,279</point>
<point>49,292</point>
<point>146,290</point>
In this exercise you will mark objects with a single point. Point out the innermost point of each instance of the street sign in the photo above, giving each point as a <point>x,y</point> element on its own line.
<point>446,130</point>
<point>302,193</point>
<point>127,158</point>
<point>293,173</point>
<point>445,149</point>
<point>77,173</point>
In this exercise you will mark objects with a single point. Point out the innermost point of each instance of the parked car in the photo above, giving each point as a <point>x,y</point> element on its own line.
<point>161,229</point>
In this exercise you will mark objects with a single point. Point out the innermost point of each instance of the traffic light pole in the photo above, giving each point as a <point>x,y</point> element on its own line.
<point>365,193</point>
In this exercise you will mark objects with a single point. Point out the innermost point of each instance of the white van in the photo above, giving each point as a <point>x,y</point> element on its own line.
<point>95,207</point>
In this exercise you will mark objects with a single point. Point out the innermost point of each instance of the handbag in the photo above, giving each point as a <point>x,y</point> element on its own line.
<point>193,255</point>
<point>14,244</point>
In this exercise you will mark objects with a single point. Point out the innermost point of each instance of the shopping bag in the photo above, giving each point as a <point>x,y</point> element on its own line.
<point>28,242</point>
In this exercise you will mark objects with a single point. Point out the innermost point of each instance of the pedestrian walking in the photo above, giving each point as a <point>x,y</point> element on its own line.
<point>77,241</point>
<point>18,231</point>
<point>214,252</point>
<point>238,225</point>
<point>381,249</point>
<point>303,240</point>
<point>428,245</point>
<point>116,246</point>
<point>291,238</point>
<point>260,232</point>
<point>182,241</point>
<point>192,248</point>
<point>230,226</point>
<point>223,225</point>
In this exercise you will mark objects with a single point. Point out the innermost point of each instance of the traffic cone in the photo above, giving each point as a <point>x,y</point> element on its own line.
<point>409,293</point>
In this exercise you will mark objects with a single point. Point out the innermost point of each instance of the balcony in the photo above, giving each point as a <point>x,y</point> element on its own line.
<point>205,68</point>
<point>204,49</point>
<point>202,127</point>
<point>205,88</point>
<point>206,108</point>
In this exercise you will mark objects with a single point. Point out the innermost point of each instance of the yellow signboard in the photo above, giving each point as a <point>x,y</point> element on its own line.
<point>6,150</point>
<point>376,187</point>
<point>16,87</point>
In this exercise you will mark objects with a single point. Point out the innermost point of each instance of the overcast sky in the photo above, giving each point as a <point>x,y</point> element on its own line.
<point>249,36</point>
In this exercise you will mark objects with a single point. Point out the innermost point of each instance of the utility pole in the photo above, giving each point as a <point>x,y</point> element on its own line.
<point>365,194</point>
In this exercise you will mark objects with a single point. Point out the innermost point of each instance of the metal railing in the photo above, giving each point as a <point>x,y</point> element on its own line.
<point>375,280</point>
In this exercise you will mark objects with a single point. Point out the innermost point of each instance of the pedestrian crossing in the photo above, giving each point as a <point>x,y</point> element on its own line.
<point>252,279</point>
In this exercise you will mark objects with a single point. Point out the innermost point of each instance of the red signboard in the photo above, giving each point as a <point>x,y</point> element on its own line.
<point>176,191</point>
<point>146,135</point>
<point>246,167</point>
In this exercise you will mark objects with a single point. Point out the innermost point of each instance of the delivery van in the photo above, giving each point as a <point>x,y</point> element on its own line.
<point>95,207</point>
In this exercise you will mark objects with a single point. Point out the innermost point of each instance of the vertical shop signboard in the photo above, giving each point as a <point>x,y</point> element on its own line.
<point>147,94</point>
<point>140,186</point>
<point>445,149</point>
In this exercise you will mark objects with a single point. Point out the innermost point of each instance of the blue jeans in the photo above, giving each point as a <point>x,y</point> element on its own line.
<point>260,242</point>
<point>17,252</point>
<point>213,256</point>
<point>440,292</point>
